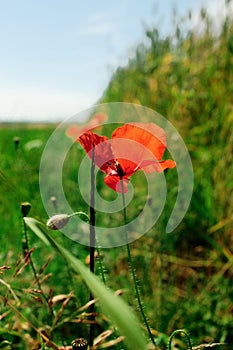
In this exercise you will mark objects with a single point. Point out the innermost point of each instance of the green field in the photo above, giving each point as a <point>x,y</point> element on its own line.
<point>185,277</point>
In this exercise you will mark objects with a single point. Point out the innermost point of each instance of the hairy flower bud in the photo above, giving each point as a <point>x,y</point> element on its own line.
<point>58,221</point>
<point>54,201</point>
<point>25,208</point>
<point>16,141</point>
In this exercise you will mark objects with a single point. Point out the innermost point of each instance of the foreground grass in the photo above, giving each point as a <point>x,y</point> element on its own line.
<point>182,287</point>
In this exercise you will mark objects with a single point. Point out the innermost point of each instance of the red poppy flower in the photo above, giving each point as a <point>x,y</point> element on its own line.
<point>75,131</point>
<point>133,147</point>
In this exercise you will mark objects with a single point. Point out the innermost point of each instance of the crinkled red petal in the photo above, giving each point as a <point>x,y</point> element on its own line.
<point>149,135</point>
<point>101,147</point>
<point>149,167</point>
<point>114,182</point>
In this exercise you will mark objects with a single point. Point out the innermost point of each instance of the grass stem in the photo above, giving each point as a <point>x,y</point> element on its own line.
<point>25,245</point>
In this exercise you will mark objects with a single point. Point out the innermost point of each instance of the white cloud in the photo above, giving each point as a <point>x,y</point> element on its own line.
<point>41,104</point>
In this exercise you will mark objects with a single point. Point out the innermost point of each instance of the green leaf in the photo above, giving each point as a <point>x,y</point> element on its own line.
<point>115,307</point>
<point>42,343</point>
<point>39,229</point>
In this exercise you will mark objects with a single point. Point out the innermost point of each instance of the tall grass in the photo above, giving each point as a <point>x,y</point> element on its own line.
<point>188,79</point>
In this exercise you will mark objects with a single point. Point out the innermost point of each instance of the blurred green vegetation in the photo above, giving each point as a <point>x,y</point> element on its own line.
<point>185,276</point>
<point>189,80</point>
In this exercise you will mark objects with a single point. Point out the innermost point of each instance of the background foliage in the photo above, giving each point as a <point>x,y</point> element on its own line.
<point>189,79</point>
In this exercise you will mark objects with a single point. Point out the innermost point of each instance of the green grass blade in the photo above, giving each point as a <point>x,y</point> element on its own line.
<point>39,231</point>
<point>115,307</point>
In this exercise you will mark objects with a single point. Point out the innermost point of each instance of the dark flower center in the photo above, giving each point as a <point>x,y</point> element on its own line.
<point>119,169</point>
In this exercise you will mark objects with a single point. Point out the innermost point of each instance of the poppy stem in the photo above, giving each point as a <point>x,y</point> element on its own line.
<point>130,260</point>
<point>92,244</point>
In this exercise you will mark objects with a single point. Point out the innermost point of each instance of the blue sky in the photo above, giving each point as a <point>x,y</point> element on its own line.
<point>57,56</point>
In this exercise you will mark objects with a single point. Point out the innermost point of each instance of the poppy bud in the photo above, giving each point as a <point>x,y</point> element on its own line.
<point>79,343</point>
<point>25,208</point>
<point>16,141</point>
<point>53,200</point>
<point>58,221</point>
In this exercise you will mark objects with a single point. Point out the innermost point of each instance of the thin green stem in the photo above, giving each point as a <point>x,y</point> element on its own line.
<point>92,244</point>
<point>101,268</point>
<point>25,244</point>
<point>137,293</point>
<point>25,251</point>
<point>179,331</point>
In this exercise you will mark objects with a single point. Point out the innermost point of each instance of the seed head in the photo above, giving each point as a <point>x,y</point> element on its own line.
<point>58,221</point>
<point>25,208</point>
<point>16,141</point>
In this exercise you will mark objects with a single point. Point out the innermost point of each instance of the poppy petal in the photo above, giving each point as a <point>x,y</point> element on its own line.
<point>98,119</point>
<point>114,183</point>
<point>150,135</point>
<point>149,167</point>
<point>129,167</point>
<point>129,154</point>
<point>74,131</point>
<point>101,146</point>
